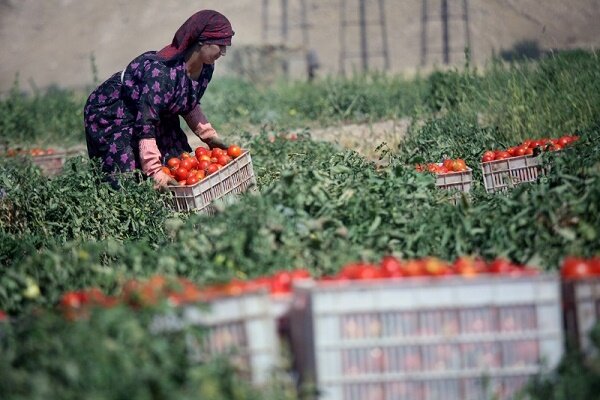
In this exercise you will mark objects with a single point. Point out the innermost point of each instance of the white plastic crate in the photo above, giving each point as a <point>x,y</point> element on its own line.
<point>424,339</point>
<point>460,182</point>
<point>581,299</point>
<point>500,175</point>
<point>241,327</point>
<point>52,164</point>
<point>233,179</point>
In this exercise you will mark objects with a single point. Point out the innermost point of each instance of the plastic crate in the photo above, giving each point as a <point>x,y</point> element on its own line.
<point>243,328</point>
<point>581,298</point>
<point>52,164</point>
<point>460,182</point>
<point>501,175</point>
<point>422,339</point>
<point>233,179</point>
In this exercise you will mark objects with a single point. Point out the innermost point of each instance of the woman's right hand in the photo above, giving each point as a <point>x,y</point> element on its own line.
<point>162,180</point>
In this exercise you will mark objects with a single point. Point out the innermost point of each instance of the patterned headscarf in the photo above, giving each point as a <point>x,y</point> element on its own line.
<point>206,26</point>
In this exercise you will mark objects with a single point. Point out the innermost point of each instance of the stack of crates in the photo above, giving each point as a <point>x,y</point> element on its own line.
<point>233,179</point>
<point>421,339</point>
<point>242,328</point>
<point>581,298</point>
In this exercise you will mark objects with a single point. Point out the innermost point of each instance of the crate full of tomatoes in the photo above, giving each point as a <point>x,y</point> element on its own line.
<point>218,320</point>
<point>451,174</point>
<point>49,160</point>
<point>208,176</point>
<point>504,169</point>
<point>581,298</point>
<point>424,329</point>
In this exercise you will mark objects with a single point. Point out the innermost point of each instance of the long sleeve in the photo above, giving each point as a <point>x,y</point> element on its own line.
<point>197,122</point>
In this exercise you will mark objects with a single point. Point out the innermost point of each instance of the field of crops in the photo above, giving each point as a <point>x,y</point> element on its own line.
<point>319,208</point>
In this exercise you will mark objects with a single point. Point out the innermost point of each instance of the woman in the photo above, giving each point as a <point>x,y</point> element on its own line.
<point>132,119</point>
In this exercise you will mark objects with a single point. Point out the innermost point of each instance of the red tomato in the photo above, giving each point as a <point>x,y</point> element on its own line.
<point>357,271</point>
<point>234,288</point>
<point>575,267</point>
<point>369,271</point>
<point>212,168</point>
<point>200,174</point>
<point>281,282</point>
<point>187,163</point>
<point>502,155</point>
<point>460,165</point>
<point>529,151</point>
<point>71,300</point>
<point>391,267</point>
<point>216,152</point>
<point>413,268</point>
<point>204,157</point>
<point>201,151</point>
<point>166,170</point>
<point>595,265</point>
<point>202,165</point>
<point>300,274</point>
<point>435,266</point>
<point>468,266</point>
<point>234,151</point>
<point>185,154</point>
<point>223,159</point>
<point>501,266</point>
<point>489,155</point>
<point>173,162</point>
<point>448,163</point>
<point>192,179</point>
<point>520,151</point>
<point>181,173</point>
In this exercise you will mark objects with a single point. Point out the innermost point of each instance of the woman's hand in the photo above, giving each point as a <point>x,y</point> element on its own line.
<point>162,180</point>
<point>216,142</point>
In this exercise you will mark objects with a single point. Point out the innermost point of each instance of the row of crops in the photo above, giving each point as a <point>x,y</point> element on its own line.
<point>319,208</point>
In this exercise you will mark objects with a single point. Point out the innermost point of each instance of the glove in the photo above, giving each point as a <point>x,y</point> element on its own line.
<point>216,142</point>
<point>150,161</point>
<point>161,180</point>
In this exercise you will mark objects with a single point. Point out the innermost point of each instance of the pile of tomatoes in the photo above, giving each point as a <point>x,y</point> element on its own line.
<point>447,166</point>
<point>578,268</point>
<point>189,169</point>
<point>178,291</point>
<point>35,152</point>
<point>392,267</point>
<point>527,148</point>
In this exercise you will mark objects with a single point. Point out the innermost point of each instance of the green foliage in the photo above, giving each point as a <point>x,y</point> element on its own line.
<point>77,204</point>
<point>53,117</point>
<point>111,355</point>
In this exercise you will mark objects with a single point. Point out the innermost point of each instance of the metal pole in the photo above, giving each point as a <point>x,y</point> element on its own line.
<point>265,20</point>
<point>363,35</point>
<point>386,57</point>
<point>304,22</point>
<point>284,20</point>
<point>284,35</point>
<point>342,37</point>
<point>467,30</point>
<point>445,33</point>
<point>423,32</point>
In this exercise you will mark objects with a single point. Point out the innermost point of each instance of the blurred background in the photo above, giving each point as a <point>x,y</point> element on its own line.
<point>72,44</point>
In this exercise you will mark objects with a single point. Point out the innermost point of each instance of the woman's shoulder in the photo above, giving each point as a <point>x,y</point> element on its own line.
<point>146,66</point>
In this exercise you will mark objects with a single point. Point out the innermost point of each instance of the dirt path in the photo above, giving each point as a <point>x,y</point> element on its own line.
<point>363,138</point>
